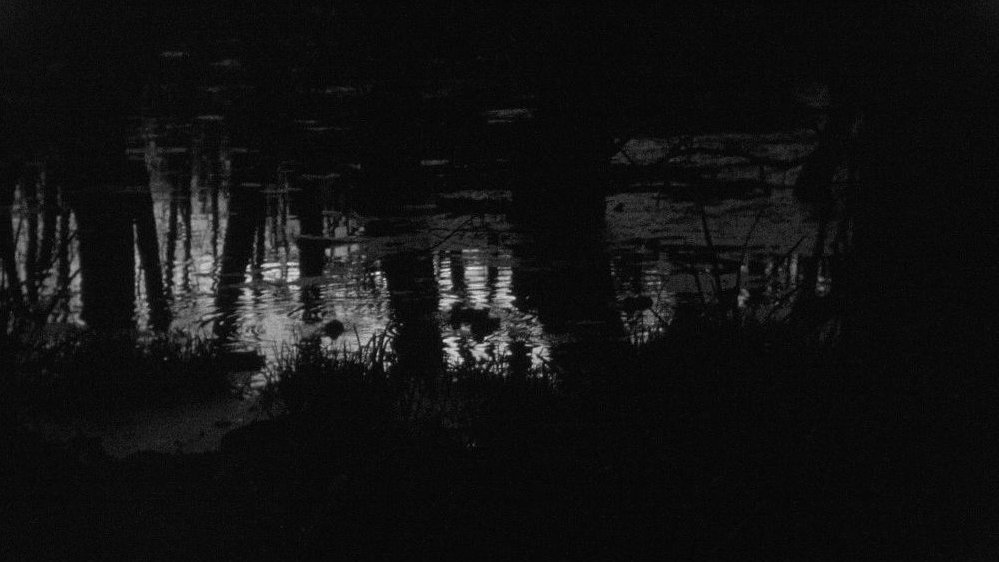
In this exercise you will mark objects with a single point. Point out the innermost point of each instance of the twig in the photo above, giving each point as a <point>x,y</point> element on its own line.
<point>700,288</point>
<point>448,237</point>
<point>715,266</point>
<point>793,248</point>
<point>780,301</point>
<point>745,252</point>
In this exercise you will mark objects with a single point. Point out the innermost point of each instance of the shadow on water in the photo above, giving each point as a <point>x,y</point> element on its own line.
<point>413,295</point>
<point>43,247</point>
<point>8,250</point>
<point>109,233</point>
<point>178,216</point>
<point>149,255</point>
<point>307,204</point>
<point>563,272</point>
<point>246,209</point>
<point>107,263</point>
<point>50,211</point>
<point>388,157</point>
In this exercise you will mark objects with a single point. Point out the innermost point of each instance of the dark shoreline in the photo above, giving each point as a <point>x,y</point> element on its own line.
<point>752,453</point>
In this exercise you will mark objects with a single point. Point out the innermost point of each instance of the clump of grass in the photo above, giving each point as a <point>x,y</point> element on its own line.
<point>68,370</point>
<point>365,389</point>
<point>306,376</point>
<point>83,371</point>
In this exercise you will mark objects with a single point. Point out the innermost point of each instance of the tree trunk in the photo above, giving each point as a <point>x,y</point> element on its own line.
<point>147,241</point>
<point>8,246</point>
<point>920,273</point>
<point>413,294</point>
<point>246,205</point>
<point>925,201</point>
<point>107,264</point>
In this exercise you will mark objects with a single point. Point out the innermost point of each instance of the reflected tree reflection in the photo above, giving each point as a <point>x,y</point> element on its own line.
<point>307,205</point>
<point>110,231</point>
<point>414,298</point>
<point>246,205</point>
<point>29,191</point>
<point>8,183</point>
<point>107,263</point>
<point>149,255</point>
<point>563,272</point>
<point>63,261</point>
<point>171,243</point>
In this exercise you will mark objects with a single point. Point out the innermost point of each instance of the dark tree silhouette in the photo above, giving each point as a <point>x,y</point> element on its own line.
<point>107,265</point>
<point>8,249</point>
<point>246,207</point>
<point>413,294</point>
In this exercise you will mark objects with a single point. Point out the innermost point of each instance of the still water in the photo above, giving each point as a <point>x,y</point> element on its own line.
<point>252,219</point>
<point>263,264</point>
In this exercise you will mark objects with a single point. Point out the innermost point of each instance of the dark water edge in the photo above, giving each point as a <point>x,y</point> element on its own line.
<point>755,453</point>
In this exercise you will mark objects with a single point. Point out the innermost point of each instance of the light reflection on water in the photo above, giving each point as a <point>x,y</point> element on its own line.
<point>654,245</point>
<point>485,281</point>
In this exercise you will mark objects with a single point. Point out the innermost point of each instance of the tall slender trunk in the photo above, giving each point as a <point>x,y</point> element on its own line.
<point>414,298</point>
<point>149,254</point>
<point>311,250</point>
<point>8,248</point>
<point>188,262</point>
<point>63,274</point>
<point>921,269</point>
<point>171,245</point>
<point>246,205</point>
<point>107,263</point>
<point>29,191</point>
<point>50,218</point>
<point>563,273</point>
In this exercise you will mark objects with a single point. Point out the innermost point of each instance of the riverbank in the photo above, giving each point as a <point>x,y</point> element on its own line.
<point>674,450</point>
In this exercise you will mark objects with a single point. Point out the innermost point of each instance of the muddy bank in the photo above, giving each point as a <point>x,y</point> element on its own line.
<point>769,461</point>
<point>183,428</point>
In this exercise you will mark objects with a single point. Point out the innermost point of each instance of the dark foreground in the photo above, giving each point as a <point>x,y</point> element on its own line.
<point>764,452</point>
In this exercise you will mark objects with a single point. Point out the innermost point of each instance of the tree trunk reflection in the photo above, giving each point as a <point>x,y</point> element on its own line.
<point>107,263</point>
<point>246,205</point>
<point>311,250</point>
<point>563,274</point>
<point>171,243</point>
<point>12,279</point>
<point>149,254</point>
<point>414,298</point>
<point>29,191</point>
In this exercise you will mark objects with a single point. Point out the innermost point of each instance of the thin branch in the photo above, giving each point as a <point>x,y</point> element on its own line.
<point>715,266</point>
